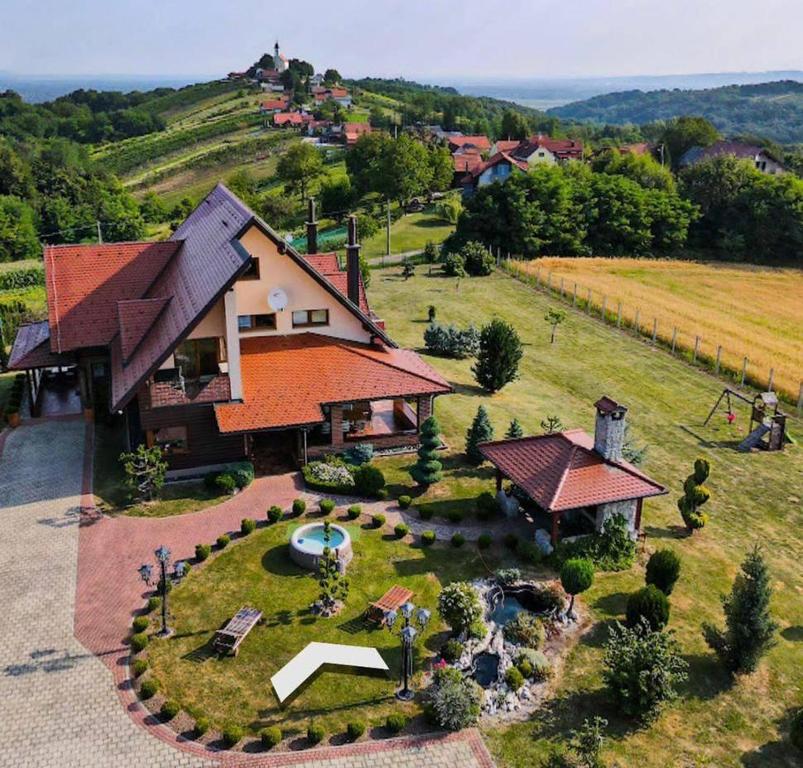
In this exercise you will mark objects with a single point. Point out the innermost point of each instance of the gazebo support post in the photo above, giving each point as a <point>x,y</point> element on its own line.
<point>498,480</point>
<point>639,505</point>
<point>555,522</point>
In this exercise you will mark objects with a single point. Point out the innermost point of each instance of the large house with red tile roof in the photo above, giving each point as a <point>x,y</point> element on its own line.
<point>575,478</point>
<point>224,342</point>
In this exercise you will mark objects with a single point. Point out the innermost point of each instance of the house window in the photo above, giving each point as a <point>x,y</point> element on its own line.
<point>252,270</point>
<point>303,318</point>
<point>171,440</point>
<point>198,358</point>
<point>256,322</point>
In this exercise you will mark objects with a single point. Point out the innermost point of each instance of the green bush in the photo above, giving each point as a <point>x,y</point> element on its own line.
<point>454,265</point>
<point>202,551</point>
<point>514,678</point>
<point>315,733</point>
<point>663,570</point>
<point>247,525</point>
<point>525,629</point>
<point>201,726</point>
<point>511,541</point>
<point>242,472</point>
<point>458,540</point>
<point>425,513</point>
<point>225,483</point>
<point>378,520</point>
<point>478,261</point>
<point>459,606</point>
<point>405,501</point>
<point>223,540</point>
<point>232,735</point>
<point>428,538</point>
<point>139,667</point>
<point>326,506</point>
<point>368,480</point>
<point>299,507</point>
<point>396,722</point>
<point>796,730</point>
<point>576,576</point>
<point>355,729</point>
<point>507,576</point>
<point>484,541</point>
<point>169,709</point>
<point>149,688</point>
<point>332,475</point>
<point>140,624</point>
<point>270,736</point>
<point>525,668</point>
<point>454,516</point>
<point>401,530</point>
<point>139,642</point>
<point>453,702</point>
<point>650,604</point>
<point>536,661</point>
<point>275,514</point>
<point>382,494</point>
<point>487,506</point>
<point>154,603</point>
<point>452,650</point>
<point>361,453</point>
<point>354,511</point>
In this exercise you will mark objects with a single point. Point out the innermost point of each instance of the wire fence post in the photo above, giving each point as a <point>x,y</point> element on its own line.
<point>588,305</point>
<point>771,377</point>
<point>562,293</point>
<point>636,322</point>
<point>549,282</point>
<point>619,315</point>
<point>654,329</point>
<point>604,304</point>
<point>800,398</point>
<point>537,278</point>
<point>574,297</point>
<point>674,338</point>
<point>744,371</point>
<point>696,348</point>
<point>719,355</point>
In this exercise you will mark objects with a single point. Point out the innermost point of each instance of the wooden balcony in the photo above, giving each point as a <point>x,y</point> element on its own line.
<point>168,391</point>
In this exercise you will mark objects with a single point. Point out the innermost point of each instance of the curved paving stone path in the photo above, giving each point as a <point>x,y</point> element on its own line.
<point>69,585</point>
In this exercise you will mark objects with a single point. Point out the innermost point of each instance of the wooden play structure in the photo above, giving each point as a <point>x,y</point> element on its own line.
<point>767,422</point>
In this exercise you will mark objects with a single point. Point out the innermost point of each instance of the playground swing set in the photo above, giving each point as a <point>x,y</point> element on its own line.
<point>767,422</point>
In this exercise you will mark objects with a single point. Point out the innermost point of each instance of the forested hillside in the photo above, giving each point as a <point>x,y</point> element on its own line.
<point>772,110</point>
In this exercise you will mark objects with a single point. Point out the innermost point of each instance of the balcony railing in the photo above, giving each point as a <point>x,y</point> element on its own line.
<point>170,389</point>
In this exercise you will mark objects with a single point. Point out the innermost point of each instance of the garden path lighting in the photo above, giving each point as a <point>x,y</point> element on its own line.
<point>408,633</point>
<point>146,574</point>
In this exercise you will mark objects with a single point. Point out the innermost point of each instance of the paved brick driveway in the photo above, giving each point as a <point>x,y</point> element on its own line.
<point>69,588</point>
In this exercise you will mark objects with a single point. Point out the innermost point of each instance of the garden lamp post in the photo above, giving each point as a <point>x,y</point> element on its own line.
<point>407,632</point>
<point>146,573</point>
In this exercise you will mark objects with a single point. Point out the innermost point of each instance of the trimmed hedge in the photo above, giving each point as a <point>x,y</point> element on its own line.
<point>275,514</point>
<point>299,507</point>
<point>271,736</point>
<point>140,624</point>
<point>139,667</point>
<point>401,530</point>
<point>315,733</point>
<point>458,540</point>
<point>149,688</point>
<point>247,525</point>
<point>223,541</point>
<point>233,735</point>
<point>378,520</point>
<point>354,511</point>
<point>404,502</point>
<point>139,642</point>
<point>369,480</point>
<point>202,551</point>
<point>169,709</point>
<point>428,538</point>
<point>154,603</point>
<point>326,506</point>
<point>201,726</point>
<point>355,729</point>
<point>396,722</point>
<point>316,484</point>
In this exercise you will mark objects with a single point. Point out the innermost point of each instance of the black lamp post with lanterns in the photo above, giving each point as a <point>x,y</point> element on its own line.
<point>407,632</point>
<point>146,573</point>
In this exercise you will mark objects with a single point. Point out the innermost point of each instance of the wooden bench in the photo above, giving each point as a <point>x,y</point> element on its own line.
<point>227,640</point>
<point>392,600</point>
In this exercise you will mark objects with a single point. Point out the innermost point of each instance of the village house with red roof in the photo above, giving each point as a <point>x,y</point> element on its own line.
<point>225,343</point>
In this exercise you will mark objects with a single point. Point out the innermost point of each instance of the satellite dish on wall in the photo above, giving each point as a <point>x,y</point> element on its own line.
<point>277,299</point>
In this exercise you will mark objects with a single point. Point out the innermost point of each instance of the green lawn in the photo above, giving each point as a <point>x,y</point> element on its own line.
<point>411,232</point>
<point>756,498</point>
<point>258,572</point>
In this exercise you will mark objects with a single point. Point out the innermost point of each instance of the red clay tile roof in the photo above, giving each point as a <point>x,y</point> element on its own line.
<point>85,282</point>
<point>563,149</point>
<point>32,348</point>
<point>500,157</point>
<point>466,162</point>
<point>563,471</point>
<point>287,379</point>
<point>136,318</point>
<point>505,145</point>
<point>483,143</point>
<point>328,265</point>
<point>279,103</point>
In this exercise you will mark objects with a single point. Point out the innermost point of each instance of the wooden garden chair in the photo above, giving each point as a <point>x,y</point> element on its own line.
<point>227,640</point>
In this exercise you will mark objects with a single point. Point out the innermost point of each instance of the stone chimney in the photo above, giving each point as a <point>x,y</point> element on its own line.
<point>353,263</point>
<point>312,227</point>
<point>609,431</point>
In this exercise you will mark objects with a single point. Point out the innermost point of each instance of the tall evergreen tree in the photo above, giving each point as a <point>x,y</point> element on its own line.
<point>749,628</point>
<point>427,470</point>
<point>499,356</point>
<point>480,431</point>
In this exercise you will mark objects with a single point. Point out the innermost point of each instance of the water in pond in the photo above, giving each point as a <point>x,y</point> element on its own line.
<point>506,610</point>
<point>313,540</point>
<point>486,669</point>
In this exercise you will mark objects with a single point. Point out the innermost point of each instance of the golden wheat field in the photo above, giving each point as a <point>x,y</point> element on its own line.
<point>750,311</point>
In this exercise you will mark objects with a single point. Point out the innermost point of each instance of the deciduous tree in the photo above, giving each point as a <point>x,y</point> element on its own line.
<point>499,356</point>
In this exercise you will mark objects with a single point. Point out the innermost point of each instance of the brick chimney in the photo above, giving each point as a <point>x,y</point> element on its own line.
<point>312,227</point>
<point>609,431</point>
<point>353,263</point>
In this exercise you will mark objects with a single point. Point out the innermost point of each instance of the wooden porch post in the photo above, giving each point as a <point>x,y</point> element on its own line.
<point>555,521</point>
<point>639,505</point>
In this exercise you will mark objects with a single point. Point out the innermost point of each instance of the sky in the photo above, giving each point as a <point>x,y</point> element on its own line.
<point>430,40</point>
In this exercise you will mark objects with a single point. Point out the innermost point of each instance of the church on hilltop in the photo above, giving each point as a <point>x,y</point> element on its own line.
<point>280,63</point>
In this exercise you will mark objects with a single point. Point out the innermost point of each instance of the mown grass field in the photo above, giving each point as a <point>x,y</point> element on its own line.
<point>409,233</point>
<point>749,310</point>
<point>756,499</point>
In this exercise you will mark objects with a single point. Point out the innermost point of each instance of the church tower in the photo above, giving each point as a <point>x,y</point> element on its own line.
<point>279,61</point>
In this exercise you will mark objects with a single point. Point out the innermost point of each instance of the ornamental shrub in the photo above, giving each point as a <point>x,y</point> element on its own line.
<point>140,624</point>
<point>232,735</point>
<point>332,476</point>
<point>507,576</point>
<point>511,541</point>
<point>484,541</point>
<point>169,709</point>
<point>499,356</point>
<point>525,629</point>
<point>648,604</point>
<point>154,603</point>
<point>478,261</point>
<point>458,540</point>
<point>450,341</point>
<point>514,678</point>
<point>454,700</point>
<point>275,514</point>
<point>247,525</point>
<point>514,431</point>
<point>202,551</point>
<point>315,733</point>
<point>454,264</point>
<point>368,480</point>
<point>139,667</point>
<point>525,668</point>
<point>299,507</point>
<point>452,650</point>
<point>428,538</point>
<point>378,520</point>
<point>427,469</point>
<point>354,511</point>
<point>225,483</point>
<point>404,502</point>
<point>459,606</point>
<point>201,726</point>
<point>242,472</point>
<point>355,729</point>
<point>401,530</point>
<point>359,454</point>
<point>663,570</point>
<point>535,661</point>
<point>270,736</point>
<point>223,541</point>
<point>576,576</point>
<point>149,688</point>
<point>326,506</point>
<point>480,431</point>
<point>139,642</point>
<point>695,494</point>
<point>396,722</point>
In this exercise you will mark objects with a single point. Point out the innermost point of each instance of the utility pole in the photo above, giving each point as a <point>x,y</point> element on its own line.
<point>387,245</point>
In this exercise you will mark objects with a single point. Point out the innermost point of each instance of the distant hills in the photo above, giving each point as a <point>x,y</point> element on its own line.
<point>772,110</point>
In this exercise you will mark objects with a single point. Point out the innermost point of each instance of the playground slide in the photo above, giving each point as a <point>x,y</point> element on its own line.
<point>754,438</point>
